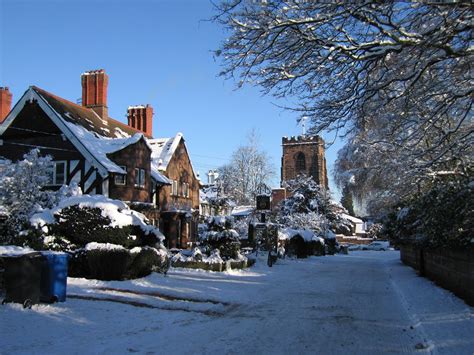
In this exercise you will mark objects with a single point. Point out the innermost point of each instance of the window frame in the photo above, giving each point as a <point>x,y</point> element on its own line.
<point>300,162</point>
<point>174,188</point>
<point>54,178</point>
<point>124,176</point>
<point>140,178</point>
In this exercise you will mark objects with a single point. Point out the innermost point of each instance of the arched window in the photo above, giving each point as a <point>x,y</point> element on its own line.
<point>300,165</point>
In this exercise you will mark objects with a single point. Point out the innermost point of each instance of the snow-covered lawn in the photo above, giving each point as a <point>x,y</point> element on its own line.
<point>364,302</point>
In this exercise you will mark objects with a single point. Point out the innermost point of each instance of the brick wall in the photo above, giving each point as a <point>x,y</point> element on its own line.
<point>311,149</point>
<point>450,269</point>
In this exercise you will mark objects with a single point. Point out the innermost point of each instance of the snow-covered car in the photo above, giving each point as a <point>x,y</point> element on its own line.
<point>352,247</point>
<point>377,246</point>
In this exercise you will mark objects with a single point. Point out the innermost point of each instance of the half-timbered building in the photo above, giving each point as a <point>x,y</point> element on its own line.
<point>105,156</point>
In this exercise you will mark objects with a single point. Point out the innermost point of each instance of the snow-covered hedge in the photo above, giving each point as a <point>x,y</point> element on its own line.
<point>78,220</point>
<point>105,261</point>
<point>218,234</point>
<point>213,262</point>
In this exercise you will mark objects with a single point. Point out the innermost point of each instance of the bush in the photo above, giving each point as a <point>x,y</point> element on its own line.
<point>219,235</point>
<point>108,264</point>
<point>84,225</point>
<point>116,264</point>
<point>441,216</point>
<point>145,262</point>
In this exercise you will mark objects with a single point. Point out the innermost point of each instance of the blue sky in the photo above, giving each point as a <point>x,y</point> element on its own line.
<point>154,51</point>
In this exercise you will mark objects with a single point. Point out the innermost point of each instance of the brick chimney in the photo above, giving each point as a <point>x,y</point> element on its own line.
<point>5,103</point>
<point>141,118</point>
<point>94,91</point>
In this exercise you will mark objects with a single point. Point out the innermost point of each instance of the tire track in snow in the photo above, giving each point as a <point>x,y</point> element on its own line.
<point>143,304</point>
<point>413,317</point>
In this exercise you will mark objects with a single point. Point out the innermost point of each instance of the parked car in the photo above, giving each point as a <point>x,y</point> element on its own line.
<point>353,247</point>
<point>377,246</point>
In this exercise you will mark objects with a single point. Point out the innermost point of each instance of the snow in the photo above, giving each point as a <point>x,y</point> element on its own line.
<point>307,235</point>
<point>14,250</point>
<point>103,246</point>
<point>214,258</point>
<point>100,146</point>
<point>242,211</point>
<point>163,150</point>
<point>352,218</point>
<point>117,211</point>
<point>362,303</point>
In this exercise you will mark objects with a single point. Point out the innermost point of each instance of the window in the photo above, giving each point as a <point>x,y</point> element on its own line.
<point>58,173</point>
<point>139,177</point>
<point>121,179</point>
<point>174,188</point>
<point>300,164</point>
<point>185,189</point>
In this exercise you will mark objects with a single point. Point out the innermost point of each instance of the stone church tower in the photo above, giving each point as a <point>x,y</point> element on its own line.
<point>304,155</point>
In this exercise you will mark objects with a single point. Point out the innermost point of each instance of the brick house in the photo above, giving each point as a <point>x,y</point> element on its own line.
<point>105,156</point>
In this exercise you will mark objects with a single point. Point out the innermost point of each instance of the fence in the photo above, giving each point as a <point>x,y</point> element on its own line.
<point>450,269</point>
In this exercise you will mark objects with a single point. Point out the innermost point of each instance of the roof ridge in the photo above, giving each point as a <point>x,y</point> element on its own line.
<point>124,125</point>
<point>60,98</point>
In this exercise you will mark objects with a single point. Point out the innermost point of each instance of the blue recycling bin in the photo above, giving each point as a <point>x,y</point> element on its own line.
<point>54,277</point>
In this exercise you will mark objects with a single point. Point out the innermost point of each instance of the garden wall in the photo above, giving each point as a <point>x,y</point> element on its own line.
<point>353,240</point>
<point>450,269</point>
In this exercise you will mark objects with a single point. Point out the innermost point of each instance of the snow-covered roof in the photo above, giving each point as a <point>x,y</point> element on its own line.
<point>307,235</point>
<point>242,211</point>
<point>351,218</point>
<point>162,150</point>
<point>100,147</point>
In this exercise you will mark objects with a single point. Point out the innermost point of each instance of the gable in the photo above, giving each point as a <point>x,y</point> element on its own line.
<point>180,161</point>
<point>93,147</point>
<point>33,128</point>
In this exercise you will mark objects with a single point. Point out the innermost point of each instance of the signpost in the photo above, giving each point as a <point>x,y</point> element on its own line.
<point>270,232</point>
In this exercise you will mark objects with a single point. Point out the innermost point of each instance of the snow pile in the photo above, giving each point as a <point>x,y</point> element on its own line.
<point>117,211</point>
<point>103,246</point>
<point>14,250</point>
<point>307,235</point>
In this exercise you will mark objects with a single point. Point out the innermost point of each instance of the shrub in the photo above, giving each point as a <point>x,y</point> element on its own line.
<point>116,263</point>
<point>441,216</point>
<point>84,225</point>
<point>106,264</point>
<point>145,261</point>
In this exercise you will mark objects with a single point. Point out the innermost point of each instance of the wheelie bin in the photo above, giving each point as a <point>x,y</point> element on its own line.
<point>22,278</point>
<point>54,277</point>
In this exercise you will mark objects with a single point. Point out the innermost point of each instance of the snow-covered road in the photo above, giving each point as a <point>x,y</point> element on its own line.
<point>365,302</point>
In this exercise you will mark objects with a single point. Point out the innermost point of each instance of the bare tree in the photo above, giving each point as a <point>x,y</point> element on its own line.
<point>395,77</point>
<point>249,167</point>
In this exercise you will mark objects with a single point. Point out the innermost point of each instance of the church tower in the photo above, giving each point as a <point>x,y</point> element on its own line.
<point>304,155</point>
